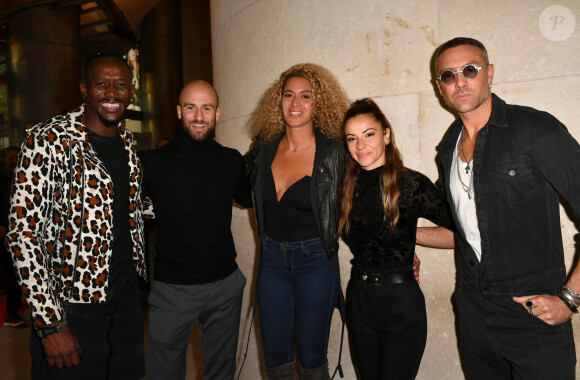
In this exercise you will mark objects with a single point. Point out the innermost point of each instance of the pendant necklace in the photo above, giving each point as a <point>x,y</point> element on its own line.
<point>463,152</point>
<point>467,188</point>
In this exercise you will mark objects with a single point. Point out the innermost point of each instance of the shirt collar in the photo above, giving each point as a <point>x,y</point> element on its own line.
<point>498,116</point>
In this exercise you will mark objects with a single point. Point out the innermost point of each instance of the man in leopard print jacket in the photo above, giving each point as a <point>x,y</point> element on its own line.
<point>76,233</point>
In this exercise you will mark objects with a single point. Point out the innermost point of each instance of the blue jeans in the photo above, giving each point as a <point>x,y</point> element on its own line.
<point>297,296</point>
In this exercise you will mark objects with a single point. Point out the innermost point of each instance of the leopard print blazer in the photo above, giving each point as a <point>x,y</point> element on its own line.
<point>60,221</point>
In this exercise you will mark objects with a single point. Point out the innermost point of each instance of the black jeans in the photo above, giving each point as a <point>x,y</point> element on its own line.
<point>387,327</point>
<point>499,339</point>
<point>111,337</point>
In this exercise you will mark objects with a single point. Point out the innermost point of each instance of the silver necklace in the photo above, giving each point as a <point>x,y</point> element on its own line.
<point>299,148</point>
<point>467,188</point>
<point>468,166</point>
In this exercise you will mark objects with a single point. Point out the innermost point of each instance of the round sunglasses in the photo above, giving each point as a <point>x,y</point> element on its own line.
<point>469,72</point>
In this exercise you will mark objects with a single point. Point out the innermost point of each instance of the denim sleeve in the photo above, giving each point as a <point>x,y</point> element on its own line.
<point>557,156</point>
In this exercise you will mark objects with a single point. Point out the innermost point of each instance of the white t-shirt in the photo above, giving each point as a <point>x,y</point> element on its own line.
<point>464,206</point>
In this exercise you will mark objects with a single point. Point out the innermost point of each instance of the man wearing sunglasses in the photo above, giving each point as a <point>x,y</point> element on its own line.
<point>503,170</point>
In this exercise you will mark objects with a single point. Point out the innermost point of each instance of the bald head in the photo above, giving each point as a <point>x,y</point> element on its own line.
<point>199,109</point>
<point>198,86</point>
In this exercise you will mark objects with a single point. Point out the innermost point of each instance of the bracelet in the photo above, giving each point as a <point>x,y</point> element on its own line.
<point>575,296</point>
<point>570,298</point>
<point>45,331</point>
<point>568,304</point>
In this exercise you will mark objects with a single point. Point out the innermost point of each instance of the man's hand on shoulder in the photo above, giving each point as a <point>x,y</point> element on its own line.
<point>548,308</point>
<point>61,349</point>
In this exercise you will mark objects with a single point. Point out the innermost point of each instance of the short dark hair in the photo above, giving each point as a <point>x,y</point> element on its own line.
<point>11,148</point>
<point>459,41</point>
<point>103,54</point>
<point>7,150</point>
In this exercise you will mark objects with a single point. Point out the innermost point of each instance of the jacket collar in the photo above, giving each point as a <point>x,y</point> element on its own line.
<point>320,139</point>
<point>78,131</point>
<point>498,118</point>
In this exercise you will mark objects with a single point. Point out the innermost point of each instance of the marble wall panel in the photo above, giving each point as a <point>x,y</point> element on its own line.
<point>433,124</point>
<point>224,10</point>
<point>234,132</point>
<point>515,37</point>
<point>374,47</point>
<point>247,247</point>
<point>247,56</point>
<point>403,113</point>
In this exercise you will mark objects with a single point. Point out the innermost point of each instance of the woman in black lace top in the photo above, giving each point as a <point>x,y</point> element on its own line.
<point>381,203</point>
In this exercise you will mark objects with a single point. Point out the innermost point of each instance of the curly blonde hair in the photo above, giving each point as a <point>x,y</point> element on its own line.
<point>329,107</point>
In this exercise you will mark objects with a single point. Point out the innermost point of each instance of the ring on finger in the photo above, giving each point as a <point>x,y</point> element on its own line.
<point>530,306</point>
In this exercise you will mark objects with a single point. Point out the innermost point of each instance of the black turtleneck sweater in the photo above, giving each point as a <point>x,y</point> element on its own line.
<point>192,185</point>
<point>370,238</point>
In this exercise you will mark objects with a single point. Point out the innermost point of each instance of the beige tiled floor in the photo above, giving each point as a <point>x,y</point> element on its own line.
<point>15,357</point>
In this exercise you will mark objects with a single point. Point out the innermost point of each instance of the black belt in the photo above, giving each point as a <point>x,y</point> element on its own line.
<point>377,279</point>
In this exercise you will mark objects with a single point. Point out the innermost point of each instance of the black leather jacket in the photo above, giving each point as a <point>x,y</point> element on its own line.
<point>329,165</point>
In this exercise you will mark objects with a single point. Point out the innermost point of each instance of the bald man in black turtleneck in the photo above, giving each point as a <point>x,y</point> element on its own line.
<point>192,183</point>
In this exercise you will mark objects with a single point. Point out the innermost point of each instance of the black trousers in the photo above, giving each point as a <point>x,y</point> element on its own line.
<point>500,340</point>
<point>111,337</point>
<point>387,327</point>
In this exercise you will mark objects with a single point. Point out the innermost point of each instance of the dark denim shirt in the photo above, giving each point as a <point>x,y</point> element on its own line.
<point>523,160</point>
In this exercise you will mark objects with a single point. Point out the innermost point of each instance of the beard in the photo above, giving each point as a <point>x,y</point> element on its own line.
<point>109,123</point>
<point>207,134</point>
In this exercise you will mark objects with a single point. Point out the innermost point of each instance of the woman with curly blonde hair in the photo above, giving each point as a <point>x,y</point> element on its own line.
<point>295,167</point>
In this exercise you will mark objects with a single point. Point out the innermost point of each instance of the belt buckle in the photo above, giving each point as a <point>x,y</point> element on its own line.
<point>375,279</point>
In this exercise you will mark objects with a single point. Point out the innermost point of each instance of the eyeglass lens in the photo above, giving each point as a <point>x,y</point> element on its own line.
<point>469,72</point>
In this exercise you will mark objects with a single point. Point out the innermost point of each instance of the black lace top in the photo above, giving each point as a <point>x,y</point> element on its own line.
<point>370,238</point>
